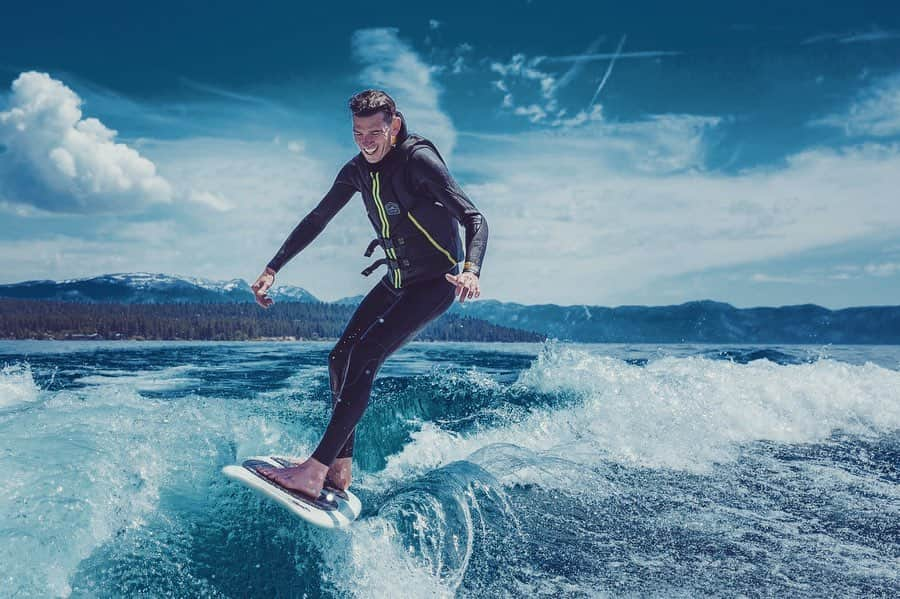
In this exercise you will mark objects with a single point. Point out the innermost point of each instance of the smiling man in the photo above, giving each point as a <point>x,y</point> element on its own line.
<point>416,208</point>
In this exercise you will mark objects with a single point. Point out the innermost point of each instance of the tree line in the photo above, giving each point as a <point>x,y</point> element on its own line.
<point>40,319</point>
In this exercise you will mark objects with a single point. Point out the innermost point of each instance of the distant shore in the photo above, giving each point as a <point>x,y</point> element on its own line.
<point>42,319</point>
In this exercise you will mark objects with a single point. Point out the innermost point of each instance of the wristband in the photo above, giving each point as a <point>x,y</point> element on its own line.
<point>470,267</point>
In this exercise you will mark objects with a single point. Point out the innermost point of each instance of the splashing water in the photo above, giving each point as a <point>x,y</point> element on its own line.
<point>484,470</point>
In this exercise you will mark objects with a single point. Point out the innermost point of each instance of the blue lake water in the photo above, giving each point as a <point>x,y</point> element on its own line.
<point>485,470</point>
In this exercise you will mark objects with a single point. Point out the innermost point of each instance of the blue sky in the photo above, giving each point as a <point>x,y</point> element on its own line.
<point>647,153</point>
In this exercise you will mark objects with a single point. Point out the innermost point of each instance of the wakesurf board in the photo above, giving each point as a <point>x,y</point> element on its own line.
<point>333,508</point>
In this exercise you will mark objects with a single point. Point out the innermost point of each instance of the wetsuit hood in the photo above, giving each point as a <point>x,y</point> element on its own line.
<point>404,132</point>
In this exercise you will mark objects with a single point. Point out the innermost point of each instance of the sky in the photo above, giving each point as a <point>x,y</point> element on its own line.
<point>622,153</point>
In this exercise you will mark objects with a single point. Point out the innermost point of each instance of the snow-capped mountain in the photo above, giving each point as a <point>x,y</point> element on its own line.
<point>147,288</point>
<point>700,321</point>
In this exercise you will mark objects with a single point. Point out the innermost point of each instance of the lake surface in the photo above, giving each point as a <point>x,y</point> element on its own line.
<point>485,470</point>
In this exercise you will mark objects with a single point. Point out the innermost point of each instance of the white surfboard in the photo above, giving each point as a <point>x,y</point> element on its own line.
<point>333,509</point>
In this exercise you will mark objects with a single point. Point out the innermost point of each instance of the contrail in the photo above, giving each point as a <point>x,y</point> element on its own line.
<point>608,55</point>
<point>224,93</point>
<point>578,63</point>
<point>608,71</point>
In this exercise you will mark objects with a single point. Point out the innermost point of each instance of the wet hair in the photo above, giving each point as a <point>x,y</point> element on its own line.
<point>371,101</point>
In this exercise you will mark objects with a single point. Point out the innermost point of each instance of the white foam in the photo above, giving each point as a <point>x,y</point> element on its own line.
<point>17,386</point>
<point>377,564</point>
<point>681,413</point>
<point>91,464</point>
<point>164,379</point>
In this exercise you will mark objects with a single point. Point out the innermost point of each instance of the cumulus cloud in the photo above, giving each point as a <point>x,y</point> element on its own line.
<point>875,112</point>
<point>232,204</point>
<point>57,160</point>
<point>391,64</point>
<point>261,191</point>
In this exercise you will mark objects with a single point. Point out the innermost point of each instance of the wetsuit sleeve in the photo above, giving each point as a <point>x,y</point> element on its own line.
<point>430,172</point>
<point>314,223</point>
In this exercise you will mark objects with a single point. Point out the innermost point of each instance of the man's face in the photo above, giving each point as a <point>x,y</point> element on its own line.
<point>373,135</point>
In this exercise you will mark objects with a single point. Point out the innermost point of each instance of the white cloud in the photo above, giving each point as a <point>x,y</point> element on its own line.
<point>63,256</point>
<point>268,191</point>
<point>534,112</point>
<point>817,274</point>
<point>594,114</point>
<point>885,269</point>
<point>391,64</point>
<point>518,66</point>
<point>57,161</point>
<point>521,74</point>
<point>457,61</point>
<point>599,213</point>
<point>764,278</point>
<point>875,112</point>
<point>257,191</point>
<point>213,200</point>
<point>236,202</point>
<point>524,77</point>
<point>874,35</point>
<point>592,213</point>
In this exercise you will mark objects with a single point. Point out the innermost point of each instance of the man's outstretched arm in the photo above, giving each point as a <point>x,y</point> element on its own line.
<point>304,233</point>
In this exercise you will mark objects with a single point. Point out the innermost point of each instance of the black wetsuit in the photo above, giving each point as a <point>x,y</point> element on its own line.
<point>415,207</point>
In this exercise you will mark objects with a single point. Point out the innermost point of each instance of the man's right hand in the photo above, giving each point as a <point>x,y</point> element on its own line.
<point>262,285</point>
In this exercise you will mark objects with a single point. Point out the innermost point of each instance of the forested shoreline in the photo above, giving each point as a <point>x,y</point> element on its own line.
<point>39,319</point>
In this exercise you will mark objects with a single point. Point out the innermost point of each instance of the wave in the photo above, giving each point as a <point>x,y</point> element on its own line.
<point>427,535</point>
<point>17,386</point>
<point>682,413</point>
<point>160,380</point>
<point>747,355</point>
<point>469,483</point>
<point>91,465</point>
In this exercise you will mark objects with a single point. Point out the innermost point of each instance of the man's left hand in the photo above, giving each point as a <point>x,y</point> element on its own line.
<point>466,285</point>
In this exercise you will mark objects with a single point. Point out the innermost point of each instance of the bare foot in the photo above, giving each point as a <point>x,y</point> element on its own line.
<point>339,474</point>
<point>307,478</point>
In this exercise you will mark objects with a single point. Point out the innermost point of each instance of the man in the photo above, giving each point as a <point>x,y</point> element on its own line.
<point>416,208</point>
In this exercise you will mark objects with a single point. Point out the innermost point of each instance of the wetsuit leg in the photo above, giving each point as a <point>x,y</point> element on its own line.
<point>390,325</point>
<point>376,302</point>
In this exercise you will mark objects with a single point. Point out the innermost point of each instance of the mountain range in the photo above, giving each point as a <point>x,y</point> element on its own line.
<point>147,288</point>
<point>692,322</point>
